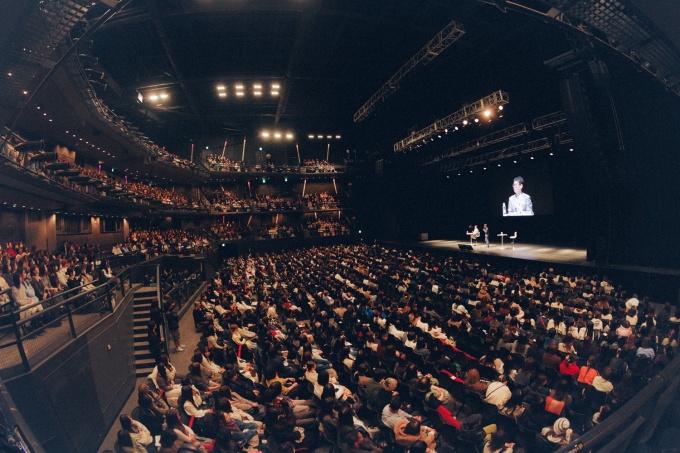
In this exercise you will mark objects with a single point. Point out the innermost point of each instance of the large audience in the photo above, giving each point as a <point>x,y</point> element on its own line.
<point>223,201</point>
<point>368,348</point>
<point>218,163</point>
<point>316,228</point>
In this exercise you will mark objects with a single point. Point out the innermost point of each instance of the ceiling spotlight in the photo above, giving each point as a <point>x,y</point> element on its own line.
<point>153,97</point>
<point>164,96</point>
<point>265,134</point>
<point>487,113</point>
<point>329,136</point>
<point>221,88</point>
<point>465,122</point>
<point>500,107</point>
<point>9,74</point>
<point>257,86</point>
<point>338,137</point>
<point>319,136</point>
<point>277,135</point>
<point>532,157</point>
<point>551,154</point>
<point>456,128</point>
<point>310,136</point>
<point>289,135</point>
<point>257,93</point>
<point>222,94</point>
<point>499,165</point>
<point>239,93</point>
<point>476,120</point>
<point>275,86</point>
<point>25,92</point>
<point>275,93</point>
<point>571,149</point>
<point>239,86</point>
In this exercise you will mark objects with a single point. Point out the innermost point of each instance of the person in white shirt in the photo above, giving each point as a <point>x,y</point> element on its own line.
<point>498,392</point>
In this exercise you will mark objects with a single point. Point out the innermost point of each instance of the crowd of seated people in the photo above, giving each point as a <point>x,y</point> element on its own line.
<point>216,162</point>
<point>318,166</point>
<point>326,228</point>
<point>32,281</point>
<point>227,201</point>
<point>365,347</point>
<point>155,242</point>
<point>322,200</point>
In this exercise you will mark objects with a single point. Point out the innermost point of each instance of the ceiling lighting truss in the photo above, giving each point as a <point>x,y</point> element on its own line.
<point>614,25</point>
<point>450,34</point>
<point>551,120</point>
<point>487,140</point>
<point>468,112</point>
<point>521,149</point>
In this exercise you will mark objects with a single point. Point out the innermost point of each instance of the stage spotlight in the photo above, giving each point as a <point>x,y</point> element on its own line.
<point>465,122</point>
<point>487,113</point>
<point>500,107</point>
<point>476,120</point>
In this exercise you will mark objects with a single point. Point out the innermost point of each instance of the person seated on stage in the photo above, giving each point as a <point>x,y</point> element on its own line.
<point>475,234</point>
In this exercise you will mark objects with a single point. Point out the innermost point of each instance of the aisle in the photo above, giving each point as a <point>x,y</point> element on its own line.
<point>180,360</point>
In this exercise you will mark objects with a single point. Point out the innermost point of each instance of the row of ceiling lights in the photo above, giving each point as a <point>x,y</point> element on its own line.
<point>516,160</point>
<point>240,90</point>
<point>321,136</point>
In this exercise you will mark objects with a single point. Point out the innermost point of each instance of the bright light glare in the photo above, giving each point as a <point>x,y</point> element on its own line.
<point>164,96</point>
<point>310,136</point>
<point>153,97</point>
<point>277,135</point>
<point>465,122</point>
<point>289,135</point>
<point>275,86</point>
<point>222,94</point>
<point>257,93</point>
<point>221,88</point>
<point>265,134</point>
<point>275,93</point>
<point>487,113</point>
<point>238,86</point>
<point>338,137</point>
<point>240,93</point>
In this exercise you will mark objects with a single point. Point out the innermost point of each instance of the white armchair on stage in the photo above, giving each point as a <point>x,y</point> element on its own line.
<point>513,239</point>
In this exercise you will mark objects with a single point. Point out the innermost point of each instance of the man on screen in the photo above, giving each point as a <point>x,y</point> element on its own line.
<point>520,202</point>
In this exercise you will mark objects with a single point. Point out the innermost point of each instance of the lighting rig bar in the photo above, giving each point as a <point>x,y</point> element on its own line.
<point>434,47</point>
<point>495,99</point>
<point>551,120</point>
<point>490,139</point>
<point>614,25</point>
<point>505,153</point>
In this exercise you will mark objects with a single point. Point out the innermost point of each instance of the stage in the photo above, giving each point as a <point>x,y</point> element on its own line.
<point>545,253</point>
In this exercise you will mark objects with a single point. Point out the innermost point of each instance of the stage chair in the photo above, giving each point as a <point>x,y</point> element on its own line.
<point>513,239</point>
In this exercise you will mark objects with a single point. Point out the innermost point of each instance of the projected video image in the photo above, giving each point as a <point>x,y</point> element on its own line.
<point>519,203</point>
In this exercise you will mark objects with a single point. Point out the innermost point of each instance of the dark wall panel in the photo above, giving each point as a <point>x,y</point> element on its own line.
<point>72,398</point>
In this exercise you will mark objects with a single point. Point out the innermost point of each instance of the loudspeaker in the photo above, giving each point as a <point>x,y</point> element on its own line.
<point>465,248</point>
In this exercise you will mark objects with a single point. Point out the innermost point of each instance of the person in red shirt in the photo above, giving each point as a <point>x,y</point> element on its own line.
<point>568,366</point>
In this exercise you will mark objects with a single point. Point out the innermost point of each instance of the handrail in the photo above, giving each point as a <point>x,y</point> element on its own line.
<point>638,406</point>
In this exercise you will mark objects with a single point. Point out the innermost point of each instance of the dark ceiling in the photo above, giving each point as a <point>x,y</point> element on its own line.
<point>327,57</point>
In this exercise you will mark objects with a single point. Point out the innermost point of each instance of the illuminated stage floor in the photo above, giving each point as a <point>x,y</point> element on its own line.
<point>547,253</point>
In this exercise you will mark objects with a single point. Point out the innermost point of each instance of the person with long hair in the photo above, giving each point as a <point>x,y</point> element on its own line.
<point>228,427</point>
<point>166,384</point>
<point>184,433</point>
<point>136,430</point>
<point>498,443</point>
<point>127,444</point>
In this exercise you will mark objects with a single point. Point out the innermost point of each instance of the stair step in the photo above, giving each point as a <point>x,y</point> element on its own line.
<point>142,356</point>
<point>143,298</point>
<point>143,372</point>
<point>140,336</point>
<point>141,312</point>
<point>141,306</point>
<point>145,362</point>
<point>141,345</point>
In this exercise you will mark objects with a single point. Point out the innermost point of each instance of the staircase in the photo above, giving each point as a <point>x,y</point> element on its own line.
<point>144,297</point>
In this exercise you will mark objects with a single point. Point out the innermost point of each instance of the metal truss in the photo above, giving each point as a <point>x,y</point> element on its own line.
<point>505,153</point>
<point>495,99</point>
<point>432,49</point>
<point>495,137</point>
<point>615,26</point>
<point>553,119</point>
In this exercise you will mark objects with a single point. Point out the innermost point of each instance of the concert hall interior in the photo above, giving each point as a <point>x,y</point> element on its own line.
<point>339,226</point>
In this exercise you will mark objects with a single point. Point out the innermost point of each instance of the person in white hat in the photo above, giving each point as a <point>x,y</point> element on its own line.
<point>560,432</point>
